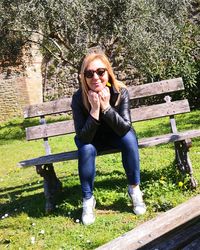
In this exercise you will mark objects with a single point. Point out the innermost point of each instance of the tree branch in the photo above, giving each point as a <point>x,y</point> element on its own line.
<point>58,57</point>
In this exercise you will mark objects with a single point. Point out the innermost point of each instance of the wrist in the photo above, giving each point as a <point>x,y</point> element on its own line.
<point>106,109</point>
<point>95,114</point>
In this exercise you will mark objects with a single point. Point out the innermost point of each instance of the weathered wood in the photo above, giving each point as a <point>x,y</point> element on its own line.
<point>48,108</point>
<point>47,159</point>
<point>157,227</point>
<point>135,92</point>
<point>49,130</point>
<point>137,114</point>
<point>156,88</point>
<point>160,110</point>
<point>194,245</point>
<point>173,124</point>
<point>172,137</point>
<point>182,236</point>
<point>146,142</point>
<point>47,146</point>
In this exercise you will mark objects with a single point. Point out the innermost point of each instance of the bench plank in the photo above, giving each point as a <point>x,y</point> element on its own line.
<point>145,233</point>
<point>49,130</point>
<point>146,142</point>
<point>172,137</point>
<point>160,110</point>
<point>156,88</point>
<point>186,236</point>
<point>135,92</point>
<point>48,108</point>
<point>137,114</point>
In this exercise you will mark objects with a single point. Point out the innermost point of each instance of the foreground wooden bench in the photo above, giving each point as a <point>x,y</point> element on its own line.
<point>178,228</point>
<point>167,107</point>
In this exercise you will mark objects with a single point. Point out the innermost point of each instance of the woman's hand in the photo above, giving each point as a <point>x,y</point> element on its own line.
<point>94,101</point>
<point>104,97</point>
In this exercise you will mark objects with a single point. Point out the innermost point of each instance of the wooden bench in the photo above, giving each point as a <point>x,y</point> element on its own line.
<point>178,228</point>
<point>167,107</point>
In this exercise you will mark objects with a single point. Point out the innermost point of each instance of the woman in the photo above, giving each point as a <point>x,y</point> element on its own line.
<point>102,120</point>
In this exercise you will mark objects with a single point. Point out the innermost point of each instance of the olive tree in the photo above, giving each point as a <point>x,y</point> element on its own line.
<point>65,29</point>
<point>156,37</point>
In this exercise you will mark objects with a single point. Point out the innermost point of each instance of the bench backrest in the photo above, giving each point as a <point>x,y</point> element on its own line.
<point>166,108</point>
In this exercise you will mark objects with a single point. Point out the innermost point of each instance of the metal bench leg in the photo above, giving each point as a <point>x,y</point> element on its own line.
<point>183,161</point>
<point>52,185</point>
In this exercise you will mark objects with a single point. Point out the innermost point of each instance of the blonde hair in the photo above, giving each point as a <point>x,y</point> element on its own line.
<point>112,79</point>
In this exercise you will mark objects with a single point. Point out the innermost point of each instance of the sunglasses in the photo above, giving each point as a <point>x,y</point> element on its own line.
<point>90,73</point>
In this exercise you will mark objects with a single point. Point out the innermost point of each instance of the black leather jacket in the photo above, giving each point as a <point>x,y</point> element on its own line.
<point>116,119</point>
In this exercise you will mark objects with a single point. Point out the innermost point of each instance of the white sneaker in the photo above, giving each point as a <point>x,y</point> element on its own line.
<point>88,216</point>
<point>139,206</point>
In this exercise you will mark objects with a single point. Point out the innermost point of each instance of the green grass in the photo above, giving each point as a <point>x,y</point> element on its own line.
<point>23,223</point>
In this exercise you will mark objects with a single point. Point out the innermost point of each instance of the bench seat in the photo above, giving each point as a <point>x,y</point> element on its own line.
<point>145,142</point>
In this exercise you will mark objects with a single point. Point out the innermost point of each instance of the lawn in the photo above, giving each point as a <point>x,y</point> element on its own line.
<point>23,223</point>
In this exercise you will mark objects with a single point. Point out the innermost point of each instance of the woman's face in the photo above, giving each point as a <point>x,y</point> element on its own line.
<point>96,75</point>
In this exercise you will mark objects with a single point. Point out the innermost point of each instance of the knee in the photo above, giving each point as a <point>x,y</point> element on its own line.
<point>87,150</point>
<point>130,140</point>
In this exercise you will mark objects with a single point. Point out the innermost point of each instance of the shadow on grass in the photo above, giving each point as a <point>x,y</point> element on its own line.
<point>22,198</point>
<point>15,129</point>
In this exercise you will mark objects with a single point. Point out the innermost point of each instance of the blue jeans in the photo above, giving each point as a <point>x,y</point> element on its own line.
<point>87,152</point>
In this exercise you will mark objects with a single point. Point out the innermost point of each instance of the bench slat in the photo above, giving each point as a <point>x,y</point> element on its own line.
<point>156,88</point>
<point>176,228</point>
<point>146,142</point>
<point>49,130</point>
<point>48,108</point>
<point>160,110</point>
<point>172,137</point>
<point>135,92</point>
<point>138,114</point>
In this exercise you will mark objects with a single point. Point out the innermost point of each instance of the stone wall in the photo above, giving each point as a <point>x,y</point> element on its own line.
<point>21,86</point>
<point>62,81</point>
<point>59,81</point>
<point>11,98</point>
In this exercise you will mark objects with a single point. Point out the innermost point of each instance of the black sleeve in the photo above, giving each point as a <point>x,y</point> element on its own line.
<point>119,118</point>
<point>85,125</point>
